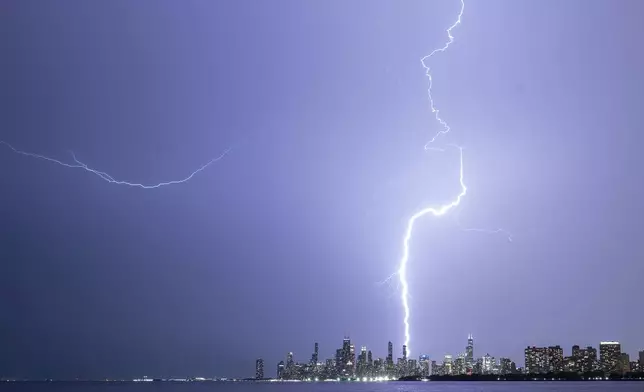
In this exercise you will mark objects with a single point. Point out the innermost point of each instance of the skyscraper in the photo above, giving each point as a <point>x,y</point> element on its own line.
<point>339,361</point>
<point>348,358</point>
<point>624,365</point>
<point>536,360</point>
<point>314,357</point>
<point>412,367</point>
<point>459,366</point>
<point>259,369</point>
<point>555,359</point>
<point>403,365</point>
<point>434,369</point>
<point>289,360</point>
<point>361,368</point>
<point>506,366</point>
<point>641,361</point>
<point>609,356</point>
<point>389,363</point>
<point>352,359</point>
<point>544,359</point>
<point>584,359</point>
<point>280,370</point>
<point>447,365</point>
<point>469,354</point>
<point>423,362</point>
<point>488,364</point>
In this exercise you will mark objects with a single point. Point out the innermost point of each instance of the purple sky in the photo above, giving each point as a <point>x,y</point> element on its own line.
<point>281,243</point>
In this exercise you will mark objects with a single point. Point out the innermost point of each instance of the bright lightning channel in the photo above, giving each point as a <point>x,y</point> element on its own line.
<point>80,165</point>
<point>437,211</point>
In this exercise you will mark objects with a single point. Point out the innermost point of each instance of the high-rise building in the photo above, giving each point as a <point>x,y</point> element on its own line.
<point>289,360</point>
<point>544,359</point>
<point>448,365</point>
<point>280,370</point>
<point>506,366</point>
<point>378,368</point>
<point>536,360</point>
<point>400,368</point>
<point>315,357</point>
<point>469,354</point>
<point>488,364</point>
<point>624,363</point>
<point>459,366</point>
<point>583,360</point>
<point>352,360</point>
<point>259,369</point>
<point>478,366</point>
<point>555,359</point>
<point>412,367</point>
<point>361,367</point>
<point>339,361</point>
<point>641,361</point>
<point>347,368</point>
<point>389,363</point>
<point>609,356</point>
<point>424,364</point>
<point>403,369</point>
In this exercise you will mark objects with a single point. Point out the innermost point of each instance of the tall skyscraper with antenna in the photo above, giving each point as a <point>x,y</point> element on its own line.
<point>469,354</point>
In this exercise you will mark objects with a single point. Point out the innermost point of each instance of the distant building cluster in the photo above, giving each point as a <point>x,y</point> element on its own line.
<point>611,360</point>
<point>351,365</point>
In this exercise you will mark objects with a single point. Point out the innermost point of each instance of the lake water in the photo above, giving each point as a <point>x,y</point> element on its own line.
<point>597,386</point>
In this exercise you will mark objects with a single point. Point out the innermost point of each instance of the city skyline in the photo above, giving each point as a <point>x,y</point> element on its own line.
<point>294,234</point>
<point>347,363</point>
<point>327,351</point>
<point>635,352</point>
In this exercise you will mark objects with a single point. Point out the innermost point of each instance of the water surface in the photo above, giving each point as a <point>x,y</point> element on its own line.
<point>570,386</point>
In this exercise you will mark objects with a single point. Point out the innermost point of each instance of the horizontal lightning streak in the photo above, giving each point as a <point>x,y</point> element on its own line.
<point>485,231</point>
<point>80,165</point>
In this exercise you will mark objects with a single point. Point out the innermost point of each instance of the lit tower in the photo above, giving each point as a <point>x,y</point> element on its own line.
<point>347,360</point>
<point>469,354</point>
<point>389,364</point>
<point>609,355</point>
<point>289,361</point>
<point>361,370</point>
<point>259,369</point>
<point>405,368</point>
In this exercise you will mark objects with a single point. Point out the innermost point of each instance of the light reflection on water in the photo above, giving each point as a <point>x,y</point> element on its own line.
<point>570,386</point>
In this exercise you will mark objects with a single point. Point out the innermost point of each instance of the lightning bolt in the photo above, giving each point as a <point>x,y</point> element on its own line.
<point>435,211</point>
<point>506,233</point>
<point>106,177</point>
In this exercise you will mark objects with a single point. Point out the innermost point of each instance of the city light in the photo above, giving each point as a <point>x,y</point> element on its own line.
<point>541,364</point>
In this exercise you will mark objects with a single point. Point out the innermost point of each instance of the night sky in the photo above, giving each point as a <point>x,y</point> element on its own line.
<point>283,242</point>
